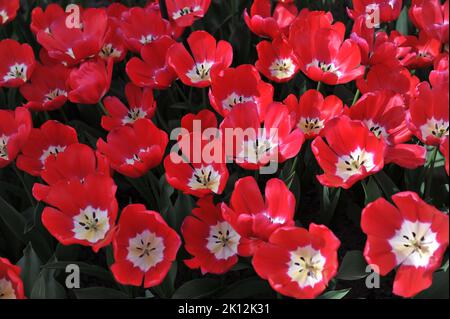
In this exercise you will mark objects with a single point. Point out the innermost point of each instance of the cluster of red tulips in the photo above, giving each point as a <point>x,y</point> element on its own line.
<point>398,117</point>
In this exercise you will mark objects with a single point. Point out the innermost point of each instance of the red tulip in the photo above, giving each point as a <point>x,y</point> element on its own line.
<point>15,127</point>
<point>298,263</point>
<point>239,85</point>
<point>429,114</point>
<point>144,247</point>
<point>72,44</point>
<point>8,10</point>
<point>411,236</point>
<point>141,105</point>
<point>254,146</point>
<point>17,63</point>
<point>439,76</point>
<point>83,212</point>
<point>192,172</point>
<point>153,70</point>
<point>207,54</point>
<point>384,115</point>
<point>90,82</point>
<point>212,241</point>
<point>185,12</point>
<point>323,54</point>
<point>312,111</point>
<point>141,26</point>
<point>254,218</point>
<point>276,60</point>
<point>263,23</point>
<point>77,162</point>
<point>51,139</point>
<point>351,153</point>
<point>134,150</point>
<point>11,285</point>
<point>388,10</point>
<point>47,89</point>
<point>42,19</point>
<point>431,17</point>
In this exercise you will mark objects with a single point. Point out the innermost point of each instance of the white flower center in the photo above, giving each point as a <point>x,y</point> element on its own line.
<point>70,53</point>
<point>376,129</point>
<point>414,244</point>
<point>4,147</point>
<point>17,71</point>
<point>54,94</point>
<point>200,72</point>
<point>146,39</point>
<point>223,241</point>
<point>436,128</point>
<point>6,289</point>
<point>185,11</point>
<point>134,115</point>
<point>108,51</point>
<point>349,165</point>
<point>282,68</point>
<point>326,67</point>
<point>274,220</point>
<point>205,177</point>
<point>145,250</point>
<point>234,99</point>
<point>4,16</point>
<point>91,224</point>
<point>255,150</point>
<point>311,125</point>
<point>51,150</point>
<point>306,266</point>
<point>137,157</point>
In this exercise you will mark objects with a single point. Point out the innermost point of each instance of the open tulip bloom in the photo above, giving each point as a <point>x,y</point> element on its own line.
<point>186,149</point>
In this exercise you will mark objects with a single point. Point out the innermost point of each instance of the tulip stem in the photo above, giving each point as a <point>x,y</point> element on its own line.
<point>102,108</point>
<point>429,178</point>
<point>319,86</point>
<point>356,97</point>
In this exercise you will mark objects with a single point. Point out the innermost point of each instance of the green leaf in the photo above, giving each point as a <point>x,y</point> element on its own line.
<point>197,288</point>
<point>330,199</point>
<point>46,287</point>
<point>402,21</point>
<point>335,294</point>
<point>167,287</point>
<point>13,219</point>
<point>246,288</point>
<point>353,266</point>
<point>87,269</point>
<point>99,293</point>
<point>387,185</point>
<point>31,266</point>
<point>371,191</point>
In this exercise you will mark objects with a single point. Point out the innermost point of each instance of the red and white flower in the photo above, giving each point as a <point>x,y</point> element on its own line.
<point>141,106</point>
<point>11,285</point>
<point>351,153</point>
<point>411,235</point>
<point>185,12</point>
<point>144,247</point>
<point>277,60</point>
<point>15,127</point>
<point>51,139</point>
<point>47,89</point>
<point>8,10</point>
<point>83,212</point>
<point>239,85</point>
<point>17,63</point>
<point>134,150</point>
<point>298,263</point>
<point>255,218</point>
<point>212,241</point>
<point>207,54</point>
<point>311,112</point>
